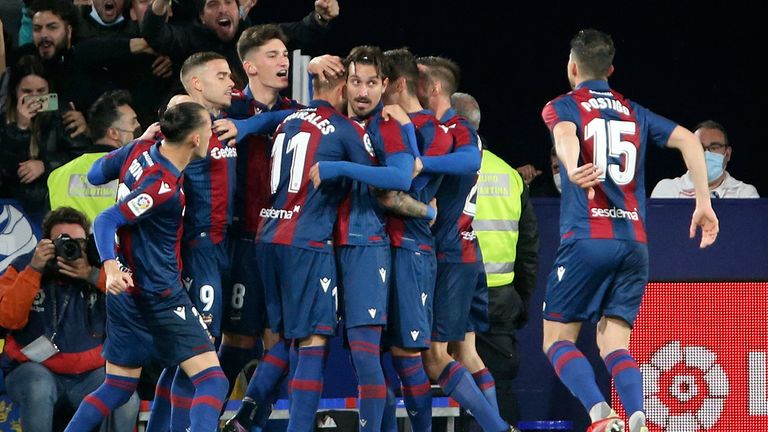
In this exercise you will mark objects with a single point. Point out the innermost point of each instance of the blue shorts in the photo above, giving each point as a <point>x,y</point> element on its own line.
<point>301,290</point>
<point>410,299</point>
<point>245,311</point>
<point>167,330</point>
<point>204,271</point>
<point>592,278</point>
<point>461,301</point>
<point>364,273</point>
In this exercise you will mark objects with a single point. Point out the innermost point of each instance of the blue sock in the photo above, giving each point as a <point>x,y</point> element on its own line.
<point>364,344</point>
<point>389,416</point>
<point>160,416</point>
<point>575,372</point>
<point>457,382</point>
<point>232,360</point>
<point>114,392</point>
<point>182,392</point>
<point>417,392</point>
<point>487,385</point>
<point>307,386</point>
<point>293,360</point>
<point>627,378</point>
<point>264,382</point>
<point>210,391</point>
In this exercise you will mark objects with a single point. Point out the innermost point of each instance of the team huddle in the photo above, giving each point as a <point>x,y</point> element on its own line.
<point>248,218</point>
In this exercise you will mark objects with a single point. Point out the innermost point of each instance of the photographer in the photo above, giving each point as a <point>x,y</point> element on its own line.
<point>52,302</point>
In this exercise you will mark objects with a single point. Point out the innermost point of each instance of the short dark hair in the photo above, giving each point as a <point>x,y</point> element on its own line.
<point>368,55</point>
<point>593,51</point>
<point>198,59</point>
<point>103,113</point>
<point>181,120</point>
<point>258,36</point>
<point>402,63</point>
<point>64,215</point>
<point>61,8</point>
<point>711,124</point>
<point>444,70</point>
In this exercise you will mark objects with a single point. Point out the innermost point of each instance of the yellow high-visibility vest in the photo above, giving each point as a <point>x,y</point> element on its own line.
<point>499,189</point>
<point>68,186</point>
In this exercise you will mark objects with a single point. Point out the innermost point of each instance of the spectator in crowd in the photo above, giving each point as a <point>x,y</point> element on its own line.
<point>3,67</point>
<point>219,28</point>
<point>33,139</point>
<point>113,124</point>
<point>105,18</point>
<point>52,27</point>
<point>506,228</point>
<point>52,301</point>
<point>717,152</point>
<point>548,186</point>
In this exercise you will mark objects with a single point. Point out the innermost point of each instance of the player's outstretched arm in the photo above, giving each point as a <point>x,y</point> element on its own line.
<point>396,175</point>
<point>567,145</point>
<point>693,154</point>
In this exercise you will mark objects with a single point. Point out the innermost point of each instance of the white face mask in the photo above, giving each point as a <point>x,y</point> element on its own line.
<point>558,182</point>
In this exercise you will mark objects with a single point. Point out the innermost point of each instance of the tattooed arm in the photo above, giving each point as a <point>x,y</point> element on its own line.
<point>402,204</point>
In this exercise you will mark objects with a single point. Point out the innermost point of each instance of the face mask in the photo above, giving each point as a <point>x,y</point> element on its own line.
<point>715,165</point>
<point>558,182</point>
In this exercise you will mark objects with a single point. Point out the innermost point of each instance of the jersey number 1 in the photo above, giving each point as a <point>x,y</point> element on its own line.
<point>298,146</point>
<point>607,141</point>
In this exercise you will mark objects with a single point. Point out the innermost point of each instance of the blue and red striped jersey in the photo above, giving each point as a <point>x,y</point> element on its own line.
<point>454,237</point>
<point>151,198</point>
<point>301,215</point>
<point>209,186</point>
<point>433,140</point>
<point>361,221</point>
<point>252,191</point>
<point>613,133</point>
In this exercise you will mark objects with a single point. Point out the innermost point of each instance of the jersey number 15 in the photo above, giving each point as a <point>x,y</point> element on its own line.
<point>608,140</point>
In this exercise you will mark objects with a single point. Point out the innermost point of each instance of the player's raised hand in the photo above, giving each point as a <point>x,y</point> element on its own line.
<point>396,112</point>
<point>151,131</point>
<point>117,280</point>
<point>710,226</point>
<point>586,177</point>
<point>226,130</point>
<point>326,66</point>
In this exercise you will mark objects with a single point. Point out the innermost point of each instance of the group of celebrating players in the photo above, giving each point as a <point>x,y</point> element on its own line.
<point>358,206</point>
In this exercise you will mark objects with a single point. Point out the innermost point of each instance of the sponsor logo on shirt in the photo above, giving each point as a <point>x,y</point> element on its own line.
<point>273,213</point>
<point>223,152</point>
<point>615,213</point>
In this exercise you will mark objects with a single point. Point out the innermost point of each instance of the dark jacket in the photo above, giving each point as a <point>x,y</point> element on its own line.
<point>55,149</point>
<point>88,28</point>
<point>179,42</point>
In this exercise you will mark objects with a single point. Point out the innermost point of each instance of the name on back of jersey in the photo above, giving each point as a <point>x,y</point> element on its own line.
<point>604,103</point>
<point>310,116</point>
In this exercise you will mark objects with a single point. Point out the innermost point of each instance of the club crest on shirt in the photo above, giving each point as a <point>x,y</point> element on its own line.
<point>140,204</point>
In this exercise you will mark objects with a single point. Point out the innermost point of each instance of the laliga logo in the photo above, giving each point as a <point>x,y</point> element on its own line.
<point>685,388</point>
